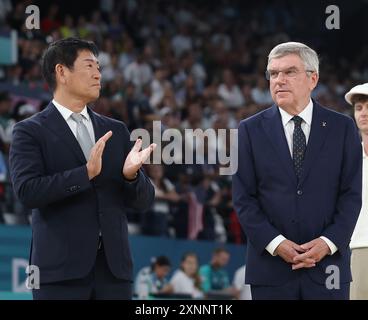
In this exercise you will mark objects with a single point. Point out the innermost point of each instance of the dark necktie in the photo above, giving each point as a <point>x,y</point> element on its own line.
<point>299,146</point>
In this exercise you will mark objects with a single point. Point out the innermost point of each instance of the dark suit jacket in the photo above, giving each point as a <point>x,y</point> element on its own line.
<point>269,201</point>
<point>49,175</point>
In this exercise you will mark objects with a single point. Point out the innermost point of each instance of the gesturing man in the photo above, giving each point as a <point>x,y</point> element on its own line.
<point>77,171</point>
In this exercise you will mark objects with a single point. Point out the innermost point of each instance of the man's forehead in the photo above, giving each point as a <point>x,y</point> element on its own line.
<point>287,61</point>
<point>86,55</point>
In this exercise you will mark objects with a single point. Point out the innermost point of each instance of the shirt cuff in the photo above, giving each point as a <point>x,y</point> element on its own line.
<point>330,244</point>
<point>271,247</point>
<point>133,180</point>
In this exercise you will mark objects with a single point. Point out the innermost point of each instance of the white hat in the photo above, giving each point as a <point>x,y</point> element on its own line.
<point>359,89</point>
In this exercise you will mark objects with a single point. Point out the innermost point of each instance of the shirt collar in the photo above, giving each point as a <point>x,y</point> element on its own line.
<point>66,113</point>
<point>364,154</point>
<point>306,114</point>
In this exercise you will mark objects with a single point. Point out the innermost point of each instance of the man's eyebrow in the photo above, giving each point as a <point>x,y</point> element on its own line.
<point>91,60</point>
<point>288,68</point>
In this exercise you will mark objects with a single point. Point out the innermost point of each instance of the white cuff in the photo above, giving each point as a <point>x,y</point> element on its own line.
<point>330,244</point>
<point>271,247</point>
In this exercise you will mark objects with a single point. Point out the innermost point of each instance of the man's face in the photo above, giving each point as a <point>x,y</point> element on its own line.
<point>83,81</point>
<point>222,259</point>
<point>290,88</point>
<point>162,271</point>
<point>361,115</point>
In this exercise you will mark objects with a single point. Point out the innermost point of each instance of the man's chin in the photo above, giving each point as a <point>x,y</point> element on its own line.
<point>283,103</point>
<point>94,97</point>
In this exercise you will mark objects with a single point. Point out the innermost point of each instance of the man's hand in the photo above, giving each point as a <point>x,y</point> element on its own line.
<point>316,250</point>
<point>136,158</point>
<point>94,163</point>
<point>288,250</point>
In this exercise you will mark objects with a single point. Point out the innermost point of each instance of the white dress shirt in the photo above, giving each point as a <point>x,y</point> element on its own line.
<point>288,125</point>
<point>359,238</point>
<point>66,113</point>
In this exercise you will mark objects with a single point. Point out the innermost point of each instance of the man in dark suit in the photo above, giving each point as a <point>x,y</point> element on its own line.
<point>78,173</point>
<point>297,191</point>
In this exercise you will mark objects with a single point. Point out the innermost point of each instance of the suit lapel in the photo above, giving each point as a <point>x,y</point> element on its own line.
<point>55,122</point>
<point>97,126</point>
<point>272,125</point>
<point>317,137</point>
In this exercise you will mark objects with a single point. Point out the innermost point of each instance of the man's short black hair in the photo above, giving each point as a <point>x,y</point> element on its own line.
<point>65,52</point>
<point>161,261</point>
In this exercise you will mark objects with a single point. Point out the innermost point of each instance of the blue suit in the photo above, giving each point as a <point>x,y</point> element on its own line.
<point>49,175</point>
<point>270,201</point>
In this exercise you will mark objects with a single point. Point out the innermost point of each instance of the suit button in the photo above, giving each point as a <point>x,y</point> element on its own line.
<point>299,192</point>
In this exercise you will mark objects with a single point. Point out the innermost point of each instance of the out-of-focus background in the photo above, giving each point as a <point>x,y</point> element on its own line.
<point>188,64</point>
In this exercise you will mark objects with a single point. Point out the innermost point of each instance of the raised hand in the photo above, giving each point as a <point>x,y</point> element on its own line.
<point>94,163</point>
<point>135,158</point>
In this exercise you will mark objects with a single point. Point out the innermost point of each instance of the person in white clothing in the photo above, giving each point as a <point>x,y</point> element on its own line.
<point>358,98</point>
<point>186,280</point>
<point>243,290</point>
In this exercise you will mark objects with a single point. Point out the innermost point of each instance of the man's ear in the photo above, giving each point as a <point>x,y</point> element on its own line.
<point>60,73</point>
<point>314,77</point>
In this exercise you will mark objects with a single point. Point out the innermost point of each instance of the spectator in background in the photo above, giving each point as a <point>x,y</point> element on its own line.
<point>260,94</point>
<point>3,183</point>
<point>5,119</point>
<point>138,72</point>
<point>230,91</point>
<point>182,41</point>
<point>242,290</point>
<point>214,276</point>
<point>68,28</point>
<point>5,8</point>
<point>51,21</point>
<point>22,110</point>
<point>358,98</point>
<point>158,87</point>
<point>156,221</point>
<point>152,279</point>
<point>186,280</point>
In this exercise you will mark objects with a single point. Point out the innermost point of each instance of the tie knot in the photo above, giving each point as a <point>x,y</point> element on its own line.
<point>77,117</point>
<point>297,120</point>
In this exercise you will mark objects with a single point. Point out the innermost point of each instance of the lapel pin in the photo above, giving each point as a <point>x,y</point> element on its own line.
<point>324,123</point>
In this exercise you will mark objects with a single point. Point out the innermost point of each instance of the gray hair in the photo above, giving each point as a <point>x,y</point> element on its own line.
<point>308,55</point>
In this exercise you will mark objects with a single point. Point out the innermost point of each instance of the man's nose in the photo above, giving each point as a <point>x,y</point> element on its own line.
<point>97,75</point>
<point>281,77</point>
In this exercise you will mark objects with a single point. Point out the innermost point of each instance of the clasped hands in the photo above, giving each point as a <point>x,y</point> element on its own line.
<point>303,256</point>
<point>134,160</point>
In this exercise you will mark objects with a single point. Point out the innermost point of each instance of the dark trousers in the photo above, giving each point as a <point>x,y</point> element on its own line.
<point>99,284</point>
<point>301,288</point>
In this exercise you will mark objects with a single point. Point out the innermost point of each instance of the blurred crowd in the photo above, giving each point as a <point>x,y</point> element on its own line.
<point>190,280</point>
<point>188,64</point>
